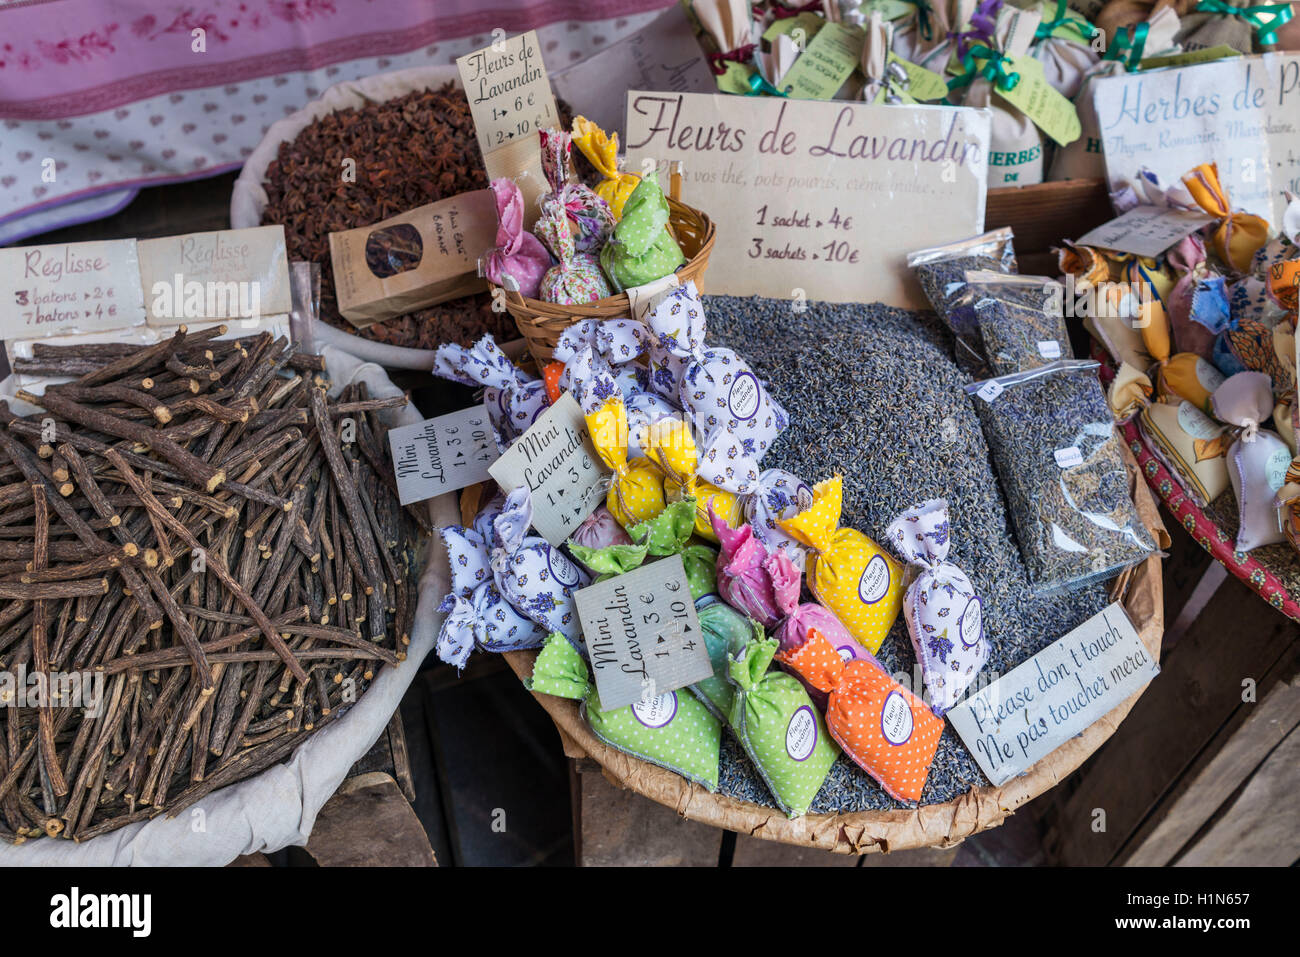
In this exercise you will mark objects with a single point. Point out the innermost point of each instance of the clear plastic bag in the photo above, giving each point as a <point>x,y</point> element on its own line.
<point>941,270</point>
<point>1058,458</point>
<point>1021,320</point>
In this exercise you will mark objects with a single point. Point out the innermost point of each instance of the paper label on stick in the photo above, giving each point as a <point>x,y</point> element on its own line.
<point>825,64</point>
<point>224,274</point>
<point>68,288</point>
<point>557,462</point>
<point>1146,230</point>
<point>812,191</point>
<point>443,454</point>
<point>643,635</point>
<point>661,56</point>
<point>1055,695</point>
<point>509,92</point>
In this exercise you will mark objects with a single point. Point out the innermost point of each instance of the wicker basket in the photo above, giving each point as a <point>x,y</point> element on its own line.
<point>541,323</point>
<point>862,832</point>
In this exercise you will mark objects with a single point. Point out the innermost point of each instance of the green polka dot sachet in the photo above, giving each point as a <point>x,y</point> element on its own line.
<point>779,727</point>
<point>674,730</point>
<point>641,249</point>
<point>668,533</point>
<point>726,632</point>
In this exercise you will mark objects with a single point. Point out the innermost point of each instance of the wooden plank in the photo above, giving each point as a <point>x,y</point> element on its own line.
<point>1262,828</point>
<point>1237,636</point>
<point>1038,213</point>
<point>1235,753</point>
<point>620,828</point>
<point>367,823</point>
<point>401,756</point>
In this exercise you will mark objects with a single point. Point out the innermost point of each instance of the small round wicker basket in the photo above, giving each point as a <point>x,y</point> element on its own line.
<point>541,323</point>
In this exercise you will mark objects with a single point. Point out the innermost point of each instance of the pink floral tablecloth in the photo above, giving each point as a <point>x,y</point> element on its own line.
<point>98,99</point>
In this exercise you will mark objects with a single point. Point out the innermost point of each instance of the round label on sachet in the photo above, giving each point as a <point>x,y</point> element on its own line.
<point>656,712</point>
<point>1196,423</point>
<point>896,719</point>
<point>744,397</point>
<point>874,583</point>
<point>801,734</point>
<point>563,570</point>
<point>970,626</point>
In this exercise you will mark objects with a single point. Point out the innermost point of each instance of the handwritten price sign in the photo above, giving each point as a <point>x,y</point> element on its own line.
<point>442,455</point>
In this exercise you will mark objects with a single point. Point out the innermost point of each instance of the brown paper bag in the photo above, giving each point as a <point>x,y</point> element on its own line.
<point>412,261</point>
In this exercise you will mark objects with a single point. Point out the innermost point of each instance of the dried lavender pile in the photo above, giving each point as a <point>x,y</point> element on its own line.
<point>209,557</point>
<point>872,393</point>
<point>409,151</point>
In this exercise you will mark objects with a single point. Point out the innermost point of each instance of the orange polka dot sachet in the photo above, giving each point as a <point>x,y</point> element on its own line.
<point>883,727</point>
<point>847,572</point>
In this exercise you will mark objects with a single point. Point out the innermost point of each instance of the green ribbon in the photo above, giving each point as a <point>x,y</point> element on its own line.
<point>923,24</point>
<point>759,85</point>
<point>994,69</point>
<point>1266,18</point>
<point>1064,18</point>
<point>1131,43</point>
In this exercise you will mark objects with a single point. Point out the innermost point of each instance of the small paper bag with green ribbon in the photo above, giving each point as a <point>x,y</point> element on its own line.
<point>781,731</point>
<point>668,533</point>
<point>674,730</point>
<point>726,632</point>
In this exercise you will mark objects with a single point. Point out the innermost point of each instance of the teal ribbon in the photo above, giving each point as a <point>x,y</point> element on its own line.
<point>923,25</point>
<point>1063,19</point>
<point>994,69</point>
<point>1128,47</point>
<point>1266,18</point>
<point>759,85</point>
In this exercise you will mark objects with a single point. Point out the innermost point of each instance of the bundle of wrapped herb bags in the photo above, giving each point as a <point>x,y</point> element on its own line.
<point>1202,342</point>
<point>587,243</point>
<point>793,605</point>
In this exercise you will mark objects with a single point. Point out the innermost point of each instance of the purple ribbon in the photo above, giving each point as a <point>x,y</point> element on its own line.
<point>983,23</point>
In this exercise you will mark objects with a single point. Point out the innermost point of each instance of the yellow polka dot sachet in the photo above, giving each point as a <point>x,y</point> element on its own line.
<point>848,572</point>
<point>669,444</point>
<point>636,490</point>
<point>602,152</point>
<point>883,727</point>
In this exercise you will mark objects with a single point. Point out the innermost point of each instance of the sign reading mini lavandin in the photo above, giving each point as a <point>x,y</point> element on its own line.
<point>643,636</point>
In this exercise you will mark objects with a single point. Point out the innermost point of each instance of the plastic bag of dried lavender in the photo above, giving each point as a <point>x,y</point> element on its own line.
<point>1053,442</point>
<point>1021,320</point>
<point>941,270</point>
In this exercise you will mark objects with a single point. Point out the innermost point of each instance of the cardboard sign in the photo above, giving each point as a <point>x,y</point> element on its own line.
<point>662,56</point>
<point>1055,695</point>
<point>1239,113</point>
<point>1146,230</point>
<point>642,634</point>
<point>225,274</point>
<point>68,288</point>
<point>415,260</point>
<point>443,454</point>
<point>556,461</point>
<point>508,90</point>
<point>810,195</point>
